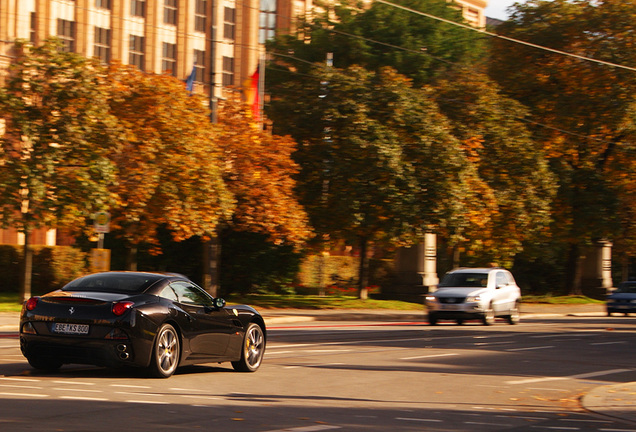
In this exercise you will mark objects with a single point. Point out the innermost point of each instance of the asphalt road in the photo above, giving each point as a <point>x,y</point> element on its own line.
<point>349,376</point>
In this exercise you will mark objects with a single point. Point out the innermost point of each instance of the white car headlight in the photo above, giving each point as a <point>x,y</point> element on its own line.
<point>473,298</point>
<point>430,298</point>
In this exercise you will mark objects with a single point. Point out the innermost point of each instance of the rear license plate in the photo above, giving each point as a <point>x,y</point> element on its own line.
<point>70,328</point>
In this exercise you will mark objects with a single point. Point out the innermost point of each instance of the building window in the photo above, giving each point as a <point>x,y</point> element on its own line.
<point>138,8</point>
<point>170,12</point>
<point>200,15</point>
<point>228,71</point>
<point>169,61</point>
<point>229,23</point>
<point>267,21</point>
<point>66,32</point>
<point>104,4</point>
<point>102,44</point>
<point>136,51</point>
<point>33,28</point>
<point>199,65</point>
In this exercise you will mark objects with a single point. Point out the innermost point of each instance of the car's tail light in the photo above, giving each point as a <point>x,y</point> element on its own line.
<point>120,308</point>
<point>32,303</point>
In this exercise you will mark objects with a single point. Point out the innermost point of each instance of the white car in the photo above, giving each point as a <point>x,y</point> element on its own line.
<point>475,293</point>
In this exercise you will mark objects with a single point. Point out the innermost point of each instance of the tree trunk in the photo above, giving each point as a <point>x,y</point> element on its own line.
<point>27,267</point>
<point>363,273</point>
<point>573,270</point>
<point>211,255</point>
<point>131,258</point>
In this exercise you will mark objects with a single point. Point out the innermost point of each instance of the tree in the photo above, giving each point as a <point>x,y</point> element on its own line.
<point>259,172</point>
<point>496,138</point>
<point>376,35</point>
<point>54,167</point>
<point>169,164</point>
<point>377,161</point>
<point>576,107</point>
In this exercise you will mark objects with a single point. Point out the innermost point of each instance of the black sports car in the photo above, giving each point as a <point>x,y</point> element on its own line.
<point>150,320</point>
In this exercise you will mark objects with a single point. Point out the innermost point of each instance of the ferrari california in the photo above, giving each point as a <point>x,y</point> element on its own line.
<point>156,321</point>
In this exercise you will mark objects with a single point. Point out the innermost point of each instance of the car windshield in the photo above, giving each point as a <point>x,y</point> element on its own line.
<point>464,280</point>
<point>626,288</point>
<point>113,282</point>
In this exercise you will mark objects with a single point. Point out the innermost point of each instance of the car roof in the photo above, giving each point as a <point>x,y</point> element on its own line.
<point>476,269</point>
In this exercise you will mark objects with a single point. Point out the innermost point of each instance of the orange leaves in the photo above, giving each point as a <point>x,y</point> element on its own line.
<point>169,163</point>
<point>258,171</point>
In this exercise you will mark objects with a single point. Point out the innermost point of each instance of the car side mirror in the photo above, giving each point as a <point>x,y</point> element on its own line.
<point>219,303</point>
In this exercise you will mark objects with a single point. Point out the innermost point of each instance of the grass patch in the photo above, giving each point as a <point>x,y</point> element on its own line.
<point>560,300</point>
<point>10,302</point>
<point>272,301</point>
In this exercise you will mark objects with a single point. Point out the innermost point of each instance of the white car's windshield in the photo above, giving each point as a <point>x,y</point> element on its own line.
<point>477,280</point>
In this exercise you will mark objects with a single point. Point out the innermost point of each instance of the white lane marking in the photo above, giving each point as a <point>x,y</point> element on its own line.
<point>32,395</point>
<point>418,419</point>
<point>271,353</point>
<point>20,386</point>
<point>617,430</point>
<point>578,376</point>
<point>488,424</point>
<point>84,398</point>
<point>78,390</point>
<point>20,379</point>
<point>562,336</point>
<point>556,427</point>
<point>130,386</point>
<point>609,343</point>
<point>148,402</point>
<point>307,428</point>
<point>531,348</point>
<point>74,383</point>
<point>140,394</point>
<point>327,351</point>
<point>429,356</point>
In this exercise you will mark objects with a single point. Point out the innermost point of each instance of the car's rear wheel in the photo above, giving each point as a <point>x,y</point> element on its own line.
<point>253,349</point>
<point>514,316</point>
<point>489,316</point>
<point>44,363</point>
<point>166,353</point>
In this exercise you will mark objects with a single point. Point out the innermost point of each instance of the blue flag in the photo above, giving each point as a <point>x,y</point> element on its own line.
<point>190,80</point>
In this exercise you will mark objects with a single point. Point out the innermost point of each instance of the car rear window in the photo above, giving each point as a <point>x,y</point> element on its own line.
<point>113,282</point>
<point>464,280</point>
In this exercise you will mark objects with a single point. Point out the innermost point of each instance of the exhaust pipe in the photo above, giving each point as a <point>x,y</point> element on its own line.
<point>123,351</point>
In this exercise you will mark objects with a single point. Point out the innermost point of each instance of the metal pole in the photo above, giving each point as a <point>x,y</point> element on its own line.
<point>213,100</point>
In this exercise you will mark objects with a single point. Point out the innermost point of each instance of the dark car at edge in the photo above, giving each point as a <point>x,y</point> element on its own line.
<point>154,321</point>
<point>622,299</point>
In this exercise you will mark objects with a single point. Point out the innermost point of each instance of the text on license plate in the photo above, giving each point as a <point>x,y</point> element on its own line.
<point>70,328</point>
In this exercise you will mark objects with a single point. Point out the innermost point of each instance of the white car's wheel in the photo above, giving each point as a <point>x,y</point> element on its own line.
<point>514,316</point>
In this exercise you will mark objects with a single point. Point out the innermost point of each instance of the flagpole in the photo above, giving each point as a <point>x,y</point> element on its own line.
<point>261,86</point>
<point>213,100</point>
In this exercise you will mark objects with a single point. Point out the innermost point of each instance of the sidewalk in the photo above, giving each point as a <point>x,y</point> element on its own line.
<point>618,401</point>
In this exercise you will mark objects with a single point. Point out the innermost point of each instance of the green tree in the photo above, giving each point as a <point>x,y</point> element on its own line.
<point>496,139</point>
<point>577,107</point>
<point>54,168</point>
<point>169,163</point>
<point>377,162</point>
<point>376,35</point>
